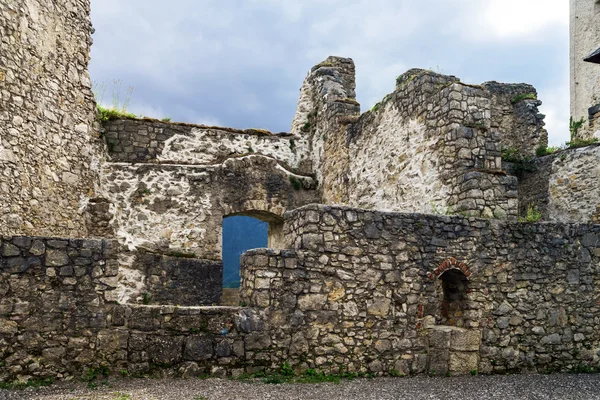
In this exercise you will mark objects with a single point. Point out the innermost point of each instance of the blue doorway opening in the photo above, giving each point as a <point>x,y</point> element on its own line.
<point>240,234</point>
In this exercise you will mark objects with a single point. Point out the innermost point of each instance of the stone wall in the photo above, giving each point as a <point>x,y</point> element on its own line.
<point>365,290</point>
<point>514,111</point>
<point>60,315</point>
<point>563,185</point>
<point>585,77</point>
<point>154,141</point>
<point>54,297</point>
<point>426,147</point>
<point>48,155</point>
<point>167,208</point>
<point>167,187</point>
<point>175,279</point>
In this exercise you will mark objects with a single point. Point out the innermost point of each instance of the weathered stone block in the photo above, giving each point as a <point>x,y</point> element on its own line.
<point>309,302</point>
<point>56,258</point>
<point>257,341</point>
<point>465,340</point>
<point>198,348</point>
<point>379,307</point>
<point>463,362</point>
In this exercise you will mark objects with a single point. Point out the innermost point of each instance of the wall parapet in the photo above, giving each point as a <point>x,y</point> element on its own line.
<point>153,141</point>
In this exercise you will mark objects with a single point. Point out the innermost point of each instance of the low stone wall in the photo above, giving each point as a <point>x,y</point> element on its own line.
<point>365,290</point>
<point>362,291</point>
<point>178,280</point>
<point>563,185</point>
<point>54,299</point>
<point>189,341</point>
<point>59,313</point>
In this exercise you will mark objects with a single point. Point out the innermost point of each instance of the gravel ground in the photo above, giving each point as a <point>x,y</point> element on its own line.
<point>584,386</point>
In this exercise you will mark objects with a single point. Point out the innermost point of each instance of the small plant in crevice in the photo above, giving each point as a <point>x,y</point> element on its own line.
<point>542,150</point>
<point>146,298</point>
<point>523,96</point>
<point>533,214</point>
<point>305,127</point>
<point>510,154</point>
<point>91,375</point>
<point>295,182</point>
<point>520,162</point>
<point>577,143</point>
<point>575,126</point>
<point>250,149</point>
<point>108,114</point>
<point>166,119</point>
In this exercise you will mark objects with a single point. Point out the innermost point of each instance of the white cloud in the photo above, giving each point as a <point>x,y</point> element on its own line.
<point>242,65</point>
<point>497,20</point>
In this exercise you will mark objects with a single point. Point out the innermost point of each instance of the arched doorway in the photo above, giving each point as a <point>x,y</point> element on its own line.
<point>244,231</point>
<point>454,288</point>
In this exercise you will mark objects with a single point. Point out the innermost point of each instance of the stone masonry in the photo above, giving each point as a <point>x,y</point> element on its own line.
<point>417,263</point>
<point>49,160</point>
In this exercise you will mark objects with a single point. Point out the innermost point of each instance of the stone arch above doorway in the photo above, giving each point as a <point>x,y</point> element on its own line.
<point>449,264</point>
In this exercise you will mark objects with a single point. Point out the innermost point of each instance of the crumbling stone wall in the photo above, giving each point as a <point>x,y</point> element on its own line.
<point>60,312</point>
<point>427,147</point>
<point>358,288</point>
<point>167,187</point>
<point>54,297</point>
<point>564,186</point>
<point>153,141</point>
<point>175,279</point>
<point>514,112</point>
<point>48,158</point>
<point>361,289</point>
<point>167,208</point>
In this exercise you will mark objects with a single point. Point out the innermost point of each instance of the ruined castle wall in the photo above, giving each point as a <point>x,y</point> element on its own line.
<point>150,141</point>
<point>54,294</point>
<point>427,147</point>
<point>175,279</point>
<point>167,186</point>
<point>514,113</point>
<point>361,290</point>
<point>48,162</point>
<point>167,208</point>
<point>585,77</point>
<point>60,312</point>
<point>564,186</point>
<point>412,151</point>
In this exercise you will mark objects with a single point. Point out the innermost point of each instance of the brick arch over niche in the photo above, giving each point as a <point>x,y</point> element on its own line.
<point>449,264</point>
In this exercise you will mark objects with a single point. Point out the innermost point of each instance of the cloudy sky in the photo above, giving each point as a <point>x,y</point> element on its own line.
<point>240,63</point>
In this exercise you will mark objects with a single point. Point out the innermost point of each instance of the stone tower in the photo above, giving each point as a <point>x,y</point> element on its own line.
<point>585,76</point>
